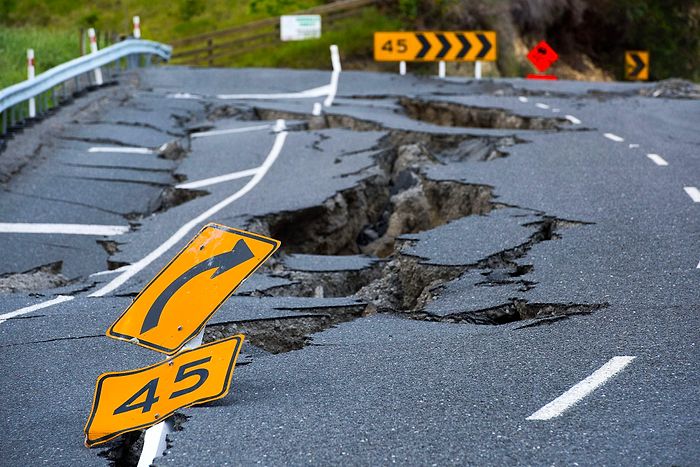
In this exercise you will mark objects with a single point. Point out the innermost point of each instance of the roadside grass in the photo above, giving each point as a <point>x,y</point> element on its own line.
<point>353,36</point>
<point>51,48</point>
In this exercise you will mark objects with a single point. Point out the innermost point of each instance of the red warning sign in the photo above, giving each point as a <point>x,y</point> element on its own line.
<point>542,56</point>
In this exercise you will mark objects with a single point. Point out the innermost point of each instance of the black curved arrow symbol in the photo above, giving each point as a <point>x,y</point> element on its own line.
<point>425,46</point>
<point>639,65</point>
<point>446,46</point>
<point>466,46</point>
<point>223,262</point>
<point>485,45</point>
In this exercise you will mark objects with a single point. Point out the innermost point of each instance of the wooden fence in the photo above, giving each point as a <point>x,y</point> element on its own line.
<point>207,49</point>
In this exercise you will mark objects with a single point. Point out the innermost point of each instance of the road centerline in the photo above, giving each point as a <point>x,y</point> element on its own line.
<point>658,160</point>
<point>38,306</point>
<point>693,192</point>
<point>614,137</point>
<point>582,389</point>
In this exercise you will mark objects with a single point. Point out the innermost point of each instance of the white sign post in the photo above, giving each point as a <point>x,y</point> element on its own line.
<point>300,27</point>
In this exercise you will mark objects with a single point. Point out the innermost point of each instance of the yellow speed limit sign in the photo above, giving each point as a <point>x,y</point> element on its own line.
<point>429,46</point>
<point>131,400</point>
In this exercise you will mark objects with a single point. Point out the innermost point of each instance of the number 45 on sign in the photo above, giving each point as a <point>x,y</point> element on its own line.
<point>129,400</point>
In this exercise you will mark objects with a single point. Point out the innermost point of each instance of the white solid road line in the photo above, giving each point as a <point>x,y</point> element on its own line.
<point>693,192</point>
<point>582,389</point>
<point>614,137</point>
<point>572,119</point>
<point>134,268</point>
<point>69,229</point>
<point>217,179</point>
<point>541,105</point>
<point>522,98</point>
<point>320,91</point>
<point>38,306</point>
<point>335,75</point>
<point>203,134</point>
<point>658,160</point>
<point>119,149</point>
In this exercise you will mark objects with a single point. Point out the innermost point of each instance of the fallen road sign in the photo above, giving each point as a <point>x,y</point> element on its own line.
<point>425,46</point>
<point>637,65</point>
<point>135,399</point>
<point>178,302</point>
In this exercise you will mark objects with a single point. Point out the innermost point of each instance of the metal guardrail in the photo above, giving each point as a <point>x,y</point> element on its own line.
<point>12,98</point>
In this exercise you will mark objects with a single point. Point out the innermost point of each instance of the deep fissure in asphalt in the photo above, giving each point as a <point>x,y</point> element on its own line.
<point>393,199</point>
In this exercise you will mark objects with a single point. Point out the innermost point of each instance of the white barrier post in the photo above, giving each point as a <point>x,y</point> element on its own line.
<point>477,69</point>
<point>30,75</point>
<point>93,49</point>
<point>335,62</point>
<point>137,27</point>
<point>402,68</point>
<point>441,69</point>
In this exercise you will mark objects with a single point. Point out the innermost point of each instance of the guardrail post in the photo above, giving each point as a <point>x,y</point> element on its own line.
<point>93,49</point>
<point>137,27</point>
<point>4,122</point>
<point>30,75</point>
<point>210,51</point>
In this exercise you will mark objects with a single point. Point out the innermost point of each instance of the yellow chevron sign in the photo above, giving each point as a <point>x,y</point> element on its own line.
<point>423,46</point>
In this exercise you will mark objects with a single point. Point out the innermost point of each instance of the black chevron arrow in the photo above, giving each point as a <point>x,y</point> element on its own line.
<point>485,45</point>
<point>639,65</point>
<point>425,46</point>
<point>466,46</point>
<point>223,262</point>
<point>446,46</point>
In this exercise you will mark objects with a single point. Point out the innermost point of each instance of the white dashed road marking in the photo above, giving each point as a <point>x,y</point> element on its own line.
<point>582,389</point>
<point>69,229</point>
<point>120,149</point>
<point>38,306</point>
<point>522,99</point>
<point>218,179</point>
<point>658,160</point>
<point>693,192</point>
<point>573,119</point>
<point>614,137</point>
<point>204,134</point>
<point>541,105</point>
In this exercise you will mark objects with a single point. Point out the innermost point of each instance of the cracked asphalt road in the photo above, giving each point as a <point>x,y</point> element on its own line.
<point>455,256</point>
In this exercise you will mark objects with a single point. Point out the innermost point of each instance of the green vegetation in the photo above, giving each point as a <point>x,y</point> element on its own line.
<point>591,31</point>
<point>351,35</point>
<point>51,48</point>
